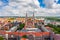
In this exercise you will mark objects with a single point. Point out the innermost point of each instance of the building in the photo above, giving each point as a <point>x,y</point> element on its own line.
<point>30,30</point>
<point>35,33</point>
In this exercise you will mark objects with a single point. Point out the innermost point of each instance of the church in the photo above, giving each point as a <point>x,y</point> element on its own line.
<point>32,32</point>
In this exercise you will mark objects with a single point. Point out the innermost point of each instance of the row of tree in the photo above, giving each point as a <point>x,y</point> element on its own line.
<point>53,18</point>
<point>55,28</point>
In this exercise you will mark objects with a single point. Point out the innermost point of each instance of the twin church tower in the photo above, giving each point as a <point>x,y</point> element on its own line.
<point>29,22</point>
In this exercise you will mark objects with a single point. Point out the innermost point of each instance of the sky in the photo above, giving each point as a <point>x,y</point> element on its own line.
<point>21,7</point>
<point>42,4</point>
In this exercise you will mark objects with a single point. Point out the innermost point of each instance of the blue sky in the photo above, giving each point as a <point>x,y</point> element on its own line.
<point>43,5</point>
<point>4,3</point>
<point>58,2</point>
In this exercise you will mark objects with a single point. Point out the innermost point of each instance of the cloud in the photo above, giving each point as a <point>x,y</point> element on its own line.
<point>18,7</point>
<point>56,0</point>
<point>1,3</point>
<point>49,3</point>
<point>21,7</point>
<point>56,6</point>
<point>52,4</point>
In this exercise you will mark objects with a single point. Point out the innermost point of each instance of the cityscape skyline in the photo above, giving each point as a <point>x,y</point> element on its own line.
<point>29,19</point>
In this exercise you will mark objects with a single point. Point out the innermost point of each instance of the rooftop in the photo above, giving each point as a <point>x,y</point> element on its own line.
<point>31,30</point>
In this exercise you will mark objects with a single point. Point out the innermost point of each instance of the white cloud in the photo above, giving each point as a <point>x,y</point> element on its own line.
<point>52,4</point>
<point>49,3</point>
<point>20,7</point>
<point>56,6</point>
<point>1,3</point>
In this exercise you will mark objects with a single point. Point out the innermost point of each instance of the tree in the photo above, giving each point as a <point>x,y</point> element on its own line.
<point>1,38</point>
<point>24,36</point>
<point>21,26</point>
<point>55,28</point>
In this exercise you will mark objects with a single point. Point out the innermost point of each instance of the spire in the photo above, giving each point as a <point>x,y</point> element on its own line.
<point>26,15</point>
<point>33,19</point>
<point>33,15</point>
<point>26,20</point>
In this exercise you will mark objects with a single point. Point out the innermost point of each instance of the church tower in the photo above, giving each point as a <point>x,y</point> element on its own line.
<point>29,22</point>
<point>33,20</point>
<point>26,19</point>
